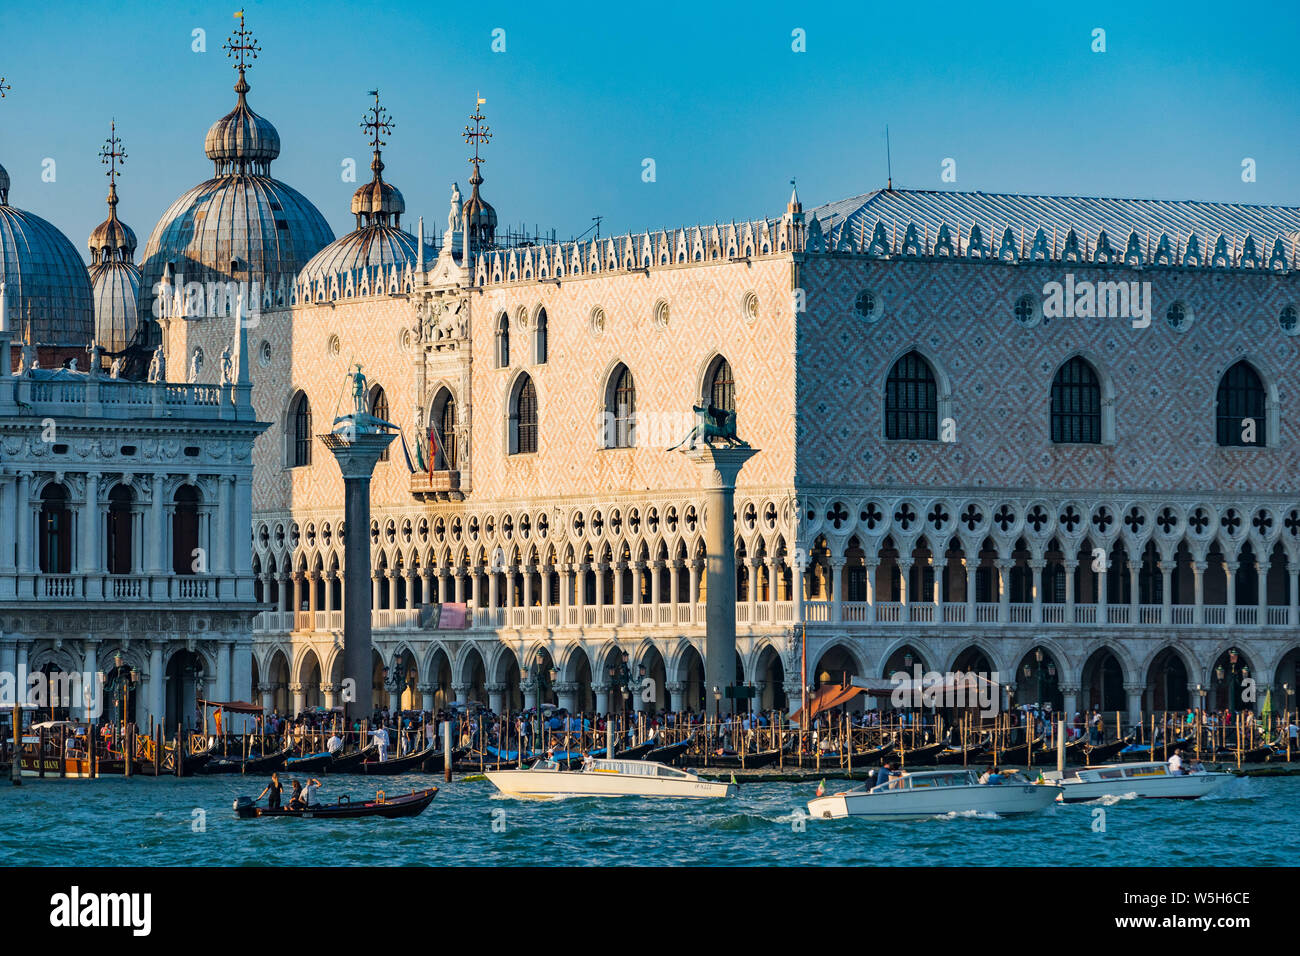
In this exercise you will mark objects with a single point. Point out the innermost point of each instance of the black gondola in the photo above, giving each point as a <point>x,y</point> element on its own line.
<point>1045,756</point>
<point>348,762</point>
<point>409,805</point>
<point>392,765</point>
<point>973,754</point>
<point>434,762</point>
<point>1100,753</point>
<point>731,761</point>
<point>263,764</point>
<point>310,763</point>
<point>668,754</point>
<point>923,756</point>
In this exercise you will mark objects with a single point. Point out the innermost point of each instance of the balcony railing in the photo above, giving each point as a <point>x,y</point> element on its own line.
<point>769,613</point>
<point>124,587</point>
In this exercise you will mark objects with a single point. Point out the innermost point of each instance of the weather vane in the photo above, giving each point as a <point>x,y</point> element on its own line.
<point>241,42</point>
<point>112,155</point>
<point>377,122</point>
<point>480,133</point>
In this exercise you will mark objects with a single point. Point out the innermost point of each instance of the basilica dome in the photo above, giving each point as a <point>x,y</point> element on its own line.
<point>115,279</point>
<point>242,225</point>
<point>45,278</point>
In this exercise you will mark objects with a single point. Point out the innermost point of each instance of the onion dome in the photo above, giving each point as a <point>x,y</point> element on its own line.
<point>114,276</point>
<point>241,140</point>
<point>378,239</point>
<point>479,217</point>
<point>46,284</point>
<point>242,225</point>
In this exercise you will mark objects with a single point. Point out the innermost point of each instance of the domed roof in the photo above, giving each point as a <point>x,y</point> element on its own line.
<point>45,278</point>
<point>112,238</point>
<point>241,225</point>
<point>241,139</point>
<point>234,228</point>
<point>375,245</point>
<point>377,198</point>
<point>116,286</point>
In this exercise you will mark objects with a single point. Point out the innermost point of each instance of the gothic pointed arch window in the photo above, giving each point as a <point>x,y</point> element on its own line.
<point>539,339</point>
<point>503,341</point>
<point>522,439</point>
<point>720,385</point>
<point>620,409</point>
<point>379,408</point>
<point>911,400</point>
<point>1076,404</point>
<point>444,428</point>
<point>1240,408</point>
<point>299,450</point>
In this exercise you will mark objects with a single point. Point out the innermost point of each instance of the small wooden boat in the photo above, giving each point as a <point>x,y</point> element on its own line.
<point>1045,756</point>
<point>733,761</point>
<point>434,763</point>
<point>1100,753</point>
<point>310,763</point>
<point>951,756</point>
<point>409,805</point>
<point>923,756</point>
<point>263,764</point>
<point>402,764</point>
<point>1253,755</point>
<point>348,762</point>
<point>631,753</point>
<point>669,753</point>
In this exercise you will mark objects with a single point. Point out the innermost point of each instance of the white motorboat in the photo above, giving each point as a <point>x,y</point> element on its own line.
<point>1140,779</point>
<point>546,779</point>
<point>916,796</point>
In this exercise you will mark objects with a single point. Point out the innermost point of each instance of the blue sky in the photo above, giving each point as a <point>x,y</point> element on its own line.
<point>713,93</point>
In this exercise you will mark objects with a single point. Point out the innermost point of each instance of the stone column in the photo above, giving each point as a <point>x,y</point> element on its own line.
<point>299,697</point>
<point>224,647</point>
<point>673,695</point>
<point>1230,576</point>
<point>357,449</point>
<point>566,693</point>
<point>1070,568</point>
<point>327,695</point>
<point>602,698</point>
<point>157,702</point>
<point>88,549</point>
<point>1166,592</point>
<point>268,697</point>
<point>496,698</point>
<point>1004,589</point>
<point>972,569</point>
<point>721,466</point>
<point>1261,575</point>
<point>92,703</point>
<point>1134,692</point>
<point>1198,581</point>
<point>904,589</point>
<point>1069,700</point>
<point>834,580</point>
<point>1036,566</point>
<point>1293,593</point>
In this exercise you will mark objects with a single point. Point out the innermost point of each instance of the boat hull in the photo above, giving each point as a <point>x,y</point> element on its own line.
<point>553,784</point>
<point>1003,800</point>
<point>1182,787</point>
<point>409,805</point>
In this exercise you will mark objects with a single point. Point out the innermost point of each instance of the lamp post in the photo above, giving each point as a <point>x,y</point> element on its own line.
<point>620,679</point>
<point>540,677</point>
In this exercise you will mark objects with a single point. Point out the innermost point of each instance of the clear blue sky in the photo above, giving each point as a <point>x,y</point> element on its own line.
<point>714,94</point>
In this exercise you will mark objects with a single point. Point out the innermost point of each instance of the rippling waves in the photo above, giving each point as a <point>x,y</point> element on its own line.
<point>149,822</point>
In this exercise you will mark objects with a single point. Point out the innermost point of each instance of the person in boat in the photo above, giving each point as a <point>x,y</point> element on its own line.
<point>587,761</point>
<point>308,796</point>
<point>885,773</point>
<point>335,743</point>
<point>272,793</point>
<point>992,777</point>
<point>1176,763</point>
<point>381,738</point>
<point>295,796</point>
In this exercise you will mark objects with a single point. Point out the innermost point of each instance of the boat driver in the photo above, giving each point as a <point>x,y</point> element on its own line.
<point>1176,763</point>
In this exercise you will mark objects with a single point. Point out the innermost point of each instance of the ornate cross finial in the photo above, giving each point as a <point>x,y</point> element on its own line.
<point>112,154</point>
<point>479,134</point>
<point>241,43</point>
<point>3,86</point>
<point>377,123</point>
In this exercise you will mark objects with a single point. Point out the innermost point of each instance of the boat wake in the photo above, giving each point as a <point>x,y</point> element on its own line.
<point>1110,799</point>
<point>968,815</point>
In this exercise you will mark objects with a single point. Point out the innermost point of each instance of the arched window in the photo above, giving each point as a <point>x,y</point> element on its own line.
<point>720,386</point>
<point>503,341</point>
<point>620,409</point>
<point>379,408</point>
<point>119,530</point>
<point>911,400</point>
<point>300,435</point>
<point>523,418</point>
<point>185,530</point>
<point>56,531</point>
<point>1076,404</point>
<point>539,339</point>
<point>444,427</point>
<point>1239,409</point>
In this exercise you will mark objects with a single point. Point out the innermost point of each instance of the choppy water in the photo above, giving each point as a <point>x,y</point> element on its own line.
<point>148,822</point>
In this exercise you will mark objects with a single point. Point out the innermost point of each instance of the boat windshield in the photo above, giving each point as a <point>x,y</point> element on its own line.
<point>545,765</point>
<point>929,781</point>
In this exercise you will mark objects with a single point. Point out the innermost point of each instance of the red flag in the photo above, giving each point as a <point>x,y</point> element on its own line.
<point>217,717</point>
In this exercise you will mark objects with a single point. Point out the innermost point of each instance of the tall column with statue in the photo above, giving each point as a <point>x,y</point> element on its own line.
<point>715,447</point>
<point>357,440</point>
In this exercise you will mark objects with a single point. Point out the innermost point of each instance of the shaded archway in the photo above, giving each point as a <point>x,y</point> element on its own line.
<point>657,673</point>
<point>769,676</point>
<point>1230,679</point>
<point>1103,683</point>
<point>1166,683</point>
<point>185,678</point>
<point>690,674</point>
<point>1038,680</point>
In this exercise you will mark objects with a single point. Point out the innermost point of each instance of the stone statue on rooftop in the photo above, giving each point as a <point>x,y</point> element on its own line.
<point>157,368</point>
<point>453,214</point>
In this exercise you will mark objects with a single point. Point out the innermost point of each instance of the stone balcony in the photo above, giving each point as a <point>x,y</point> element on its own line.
<point>435,485</point>
<point>144,588</point>
<point>778,615</point>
